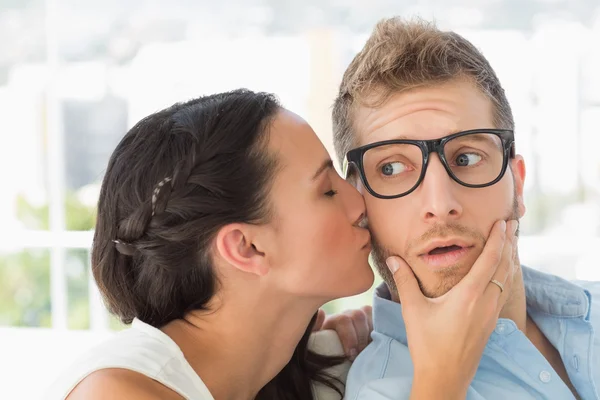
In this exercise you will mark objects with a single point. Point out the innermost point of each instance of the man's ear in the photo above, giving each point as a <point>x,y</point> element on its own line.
<point>519,172</point>
<point>234,243</point>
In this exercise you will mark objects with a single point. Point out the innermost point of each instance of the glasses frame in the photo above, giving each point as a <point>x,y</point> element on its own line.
<point>354,158</point>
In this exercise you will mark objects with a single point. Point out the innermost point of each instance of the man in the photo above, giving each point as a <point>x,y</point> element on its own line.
<point>427,133</point>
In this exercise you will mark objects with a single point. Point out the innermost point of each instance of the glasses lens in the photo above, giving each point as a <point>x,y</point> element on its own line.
<point>393,169</point>
<point>475,159</point>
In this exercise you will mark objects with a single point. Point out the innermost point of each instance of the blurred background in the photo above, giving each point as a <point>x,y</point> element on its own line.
<point>76,75</point>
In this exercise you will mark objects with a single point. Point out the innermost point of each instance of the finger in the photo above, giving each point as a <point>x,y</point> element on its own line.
<point>505,272</point>
<point>345,330</point>
<point>406,283</point>
<point>507,265</point>
<point>488,261</point>
<point>368,310</point>
<point>514,265</point>
<point>361,327</point>
<point>319,322</point>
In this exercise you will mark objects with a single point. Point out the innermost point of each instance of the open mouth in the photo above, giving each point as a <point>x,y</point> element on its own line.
<point>446,254</point>
<point>444,250</point>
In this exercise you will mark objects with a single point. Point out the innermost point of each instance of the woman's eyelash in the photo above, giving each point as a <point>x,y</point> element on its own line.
<point>331,193</point>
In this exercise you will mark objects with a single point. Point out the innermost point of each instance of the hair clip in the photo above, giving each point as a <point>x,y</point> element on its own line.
<point>156,192</point>
<point>124,248</point>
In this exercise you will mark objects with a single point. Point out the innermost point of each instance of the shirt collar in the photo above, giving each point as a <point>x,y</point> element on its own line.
<point>555,296</point>
<point>545,293</point>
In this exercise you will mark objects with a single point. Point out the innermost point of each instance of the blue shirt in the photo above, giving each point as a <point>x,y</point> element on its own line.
<point>511,366</point>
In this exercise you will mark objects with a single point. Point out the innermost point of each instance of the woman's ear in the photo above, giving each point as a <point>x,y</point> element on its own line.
<point>234,243</point>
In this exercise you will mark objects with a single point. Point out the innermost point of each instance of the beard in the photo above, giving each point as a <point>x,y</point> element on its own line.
<point>447,277</point>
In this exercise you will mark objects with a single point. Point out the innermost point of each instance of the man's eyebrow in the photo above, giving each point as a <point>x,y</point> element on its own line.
<point>327,164</point>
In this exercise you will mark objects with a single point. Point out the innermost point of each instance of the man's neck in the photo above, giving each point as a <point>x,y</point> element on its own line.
<point>244,343</point>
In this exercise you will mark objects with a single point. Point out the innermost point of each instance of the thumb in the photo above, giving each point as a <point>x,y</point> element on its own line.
<point>406,283</point>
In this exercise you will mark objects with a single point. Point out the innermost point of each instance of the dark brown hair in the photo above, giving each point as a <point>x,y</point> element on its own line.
<point>403,55</point>
<point>175,179</point>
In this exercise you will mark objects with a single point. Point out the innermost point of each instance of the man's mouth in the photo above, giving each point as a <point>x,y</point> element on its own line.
<point>444,249</point>
<point>445,254</point>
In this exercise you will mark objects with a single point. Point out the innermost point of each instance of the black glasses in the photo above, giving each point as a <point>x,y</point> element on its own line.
<point>394,168</point>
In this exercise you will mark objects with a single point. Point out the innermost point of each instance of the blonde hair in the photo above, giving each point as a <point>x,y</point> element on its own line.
<point>403,55</point>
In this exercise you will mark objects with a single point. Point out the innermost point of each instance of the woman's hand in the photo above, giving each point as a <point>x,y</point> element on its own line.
<point>447,335</point>
<point>353,327</point>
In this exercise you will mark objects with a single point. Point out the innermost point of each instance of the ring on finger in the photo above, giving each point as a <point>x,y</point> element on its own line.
<point>497,283</point>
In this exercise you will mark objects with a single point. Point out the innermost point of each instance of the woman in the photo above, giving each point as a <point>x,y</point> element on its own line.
<point>223,226</point>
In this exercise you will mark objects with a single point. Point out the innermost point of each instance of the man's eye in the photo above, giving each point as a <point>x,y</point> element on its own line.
<point>467,159</point>
<point>393,168</point>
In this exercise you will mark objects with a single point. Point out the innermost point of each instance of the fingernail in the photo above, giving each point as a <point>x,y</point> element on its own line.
<point>392,264</point>
<point>503,225</point>
<point>353,354</point>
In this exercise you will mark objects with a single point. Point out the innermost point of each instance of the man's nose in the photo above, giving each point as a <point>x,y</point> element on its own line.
<point>438,202</point>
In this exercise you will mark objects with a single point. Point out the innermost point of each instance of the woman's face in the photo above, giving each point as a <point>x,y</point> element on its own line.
<point>319,250</point>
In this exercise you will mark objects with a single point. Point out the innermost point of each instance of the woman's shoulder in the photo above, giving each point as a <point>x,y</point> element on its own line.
<point>140,347</point>
<point>120,383</point>
<point>141,352</point>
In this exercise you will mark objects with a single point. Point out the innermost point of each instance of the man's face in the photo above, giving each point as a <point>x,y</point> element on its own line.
<point>440,228</point>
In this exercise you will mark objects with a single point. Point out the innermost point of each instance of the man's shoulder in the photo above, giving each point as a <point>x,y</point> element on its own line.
<point>592,290</point>
<point>546,287</point>
<point>383,358</point>
<point>373,361</point>
<point>592,287</point>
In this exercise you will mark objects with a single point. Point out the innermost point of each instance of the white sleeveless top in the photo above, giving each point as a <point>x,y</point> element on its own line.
<point>143,349</point>
<point>149,351</point>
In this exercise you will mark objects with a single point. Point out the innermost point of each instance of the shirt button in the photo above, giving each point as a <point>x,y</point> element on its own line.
<point>545,376</point>
<point>500,329</point>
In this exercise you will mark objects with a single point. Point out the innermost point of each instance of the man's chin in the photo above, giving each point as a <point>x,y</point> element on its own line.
<point>442,280</point>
